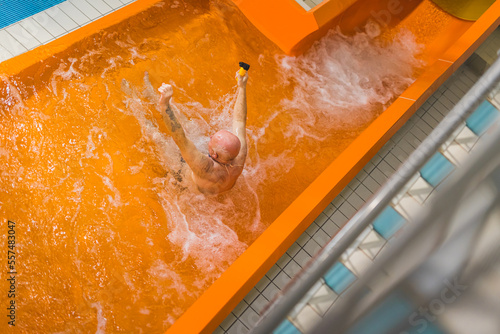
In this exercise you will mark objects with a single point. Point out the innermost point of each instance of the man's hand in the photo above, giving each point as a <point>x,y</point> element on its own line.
<point>166,92</point>
<point>242,80</point>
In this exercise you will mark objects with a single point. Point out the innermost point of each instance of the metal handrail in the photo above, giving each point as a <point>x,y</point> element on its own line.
<point>331,252</point>
<point>482,164</point>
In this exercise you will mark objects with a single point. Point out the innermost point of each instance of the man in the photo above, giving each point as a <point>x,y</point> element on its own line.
<point>216,172</point>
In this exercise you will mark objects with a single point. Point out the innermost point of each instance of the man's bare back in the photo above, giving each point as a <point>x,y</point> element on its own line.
<point>218,171</point>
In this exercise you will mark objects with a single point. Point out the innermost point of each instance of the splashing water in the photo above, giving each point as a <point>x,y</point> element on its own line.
<point>346,77</point>
<point>98,186</point>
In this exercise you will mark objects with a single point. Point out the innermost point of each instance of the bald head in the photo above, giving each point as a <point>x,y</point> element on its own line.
<point>224,146</point>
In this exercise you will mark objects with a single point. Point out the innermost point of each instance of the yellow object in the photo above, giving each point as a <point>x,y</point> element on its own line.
<point>242,71</point>
<point>465,9</point>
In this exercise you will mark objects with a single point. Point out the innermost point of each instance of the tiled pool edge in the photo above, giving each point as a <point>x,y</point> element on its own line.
<point>53,23</point>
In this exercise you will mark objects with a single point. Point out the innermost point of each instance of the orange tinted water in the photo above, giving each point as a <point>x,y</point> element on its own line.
<point>111,235</point>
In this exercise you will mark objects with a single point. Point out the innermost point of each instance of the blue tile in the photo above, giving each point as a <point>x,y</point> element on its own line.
<point>436,169</point>
<point>339,278</point>
<point>16,10</point>
<point>286,327</point>
<point>482,118</point>
<point>388,222</point>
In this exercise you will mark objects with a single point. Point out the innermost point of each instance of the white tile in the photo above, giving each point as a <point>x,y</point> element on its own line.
<point>101,6</point>
<point>240,308</point>
<point>283,261</point>
<point>127,1</point>
<point>317,2</point>
<point>495,100</point>
<point>11,44</point>
<point>62,19</point>
<point>306,4</point>
<point>456,154</point>
<point>219,331</point>
<point>292,268</point>
<point>321,219</point>
<point>249,317</point>
<point>314,227</point>
<point>420,190</point>
<point>323,299</point>
<point>86,8</point>
<point>259,304</point>
<point>281,280</point>
<point>294,249</point>
<point>358,262</point>
<point>23,36</point>
<point>338,219</point>
<point>321,237</point>
<point>356,201</point>
<point>467,139</point>
<point>230,319</point>
<point>305,299</point>
<point>372,185</point>
<point>405,189</point>
<point>330,209</point>
<point>312,247</point>
<point>49,24</point>
<point>452,137</point>
<point>4,54</point>
<point>270,292</point>
<point>347,209</point>
<point>262,284</point>
<point>408,207</point>
<point>36,30</point>
<point>115,4</point>
<point>238,328</point>
<point>273,272</point>
<point>306,319</point>
<point>74,13</point>
<point>364,192</point>
<point>354,246</point>
<point>372,244</point>
<point>250,297</point>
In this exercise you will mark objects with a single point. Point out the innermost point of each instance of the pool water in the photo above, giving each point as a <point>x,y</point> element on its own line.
<point>112,236</point>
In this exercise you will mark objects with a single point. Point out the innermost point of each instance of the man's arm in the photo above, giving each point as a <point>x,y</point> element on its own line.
<point>199,163</point>
<point>240,115</point>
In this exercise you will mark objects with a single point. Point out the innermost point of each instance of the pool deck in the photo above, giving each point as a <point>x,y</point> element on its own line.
<point>70,15</point>
<point>53,23</point>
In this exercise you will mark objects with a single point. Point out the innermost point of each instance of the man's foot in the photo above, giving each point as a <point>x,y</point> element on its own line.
<point>149,91</point>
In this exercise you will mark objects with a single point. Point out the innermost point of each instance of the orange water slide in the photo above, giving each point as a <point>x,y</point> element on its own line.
<point>294,29</point>
<point>447,42</point>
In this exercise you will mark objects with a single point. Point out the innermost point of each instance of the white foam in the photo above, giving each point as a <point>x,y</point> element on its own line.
<point>13,98</point>
<point>342,79</point>
<point>101,319</point>
<point>64,73</point>
<point>166,279</point>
